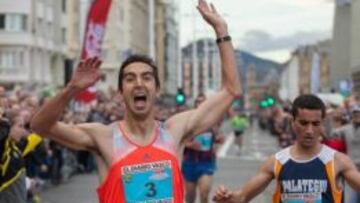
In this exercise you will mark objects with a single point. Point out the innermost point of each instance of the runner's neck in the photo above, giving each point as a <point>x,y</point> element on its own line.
<point>139,129</point>
<point>300,153</point>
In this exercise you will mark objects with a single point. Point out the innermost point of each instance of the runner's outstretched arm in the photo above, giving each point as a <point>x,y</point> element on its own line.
<point>45,121</point>
<point>211,111</point>
<point>348,170</point>
<point>250,189</point>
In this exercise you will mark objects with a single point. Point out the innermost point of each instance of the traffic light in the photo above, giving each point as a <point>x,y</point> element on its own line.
<point>270,101</point>
<point>263,104</point>
<point>180,98</point>
<point>238,103</point>
<point>267,102</point>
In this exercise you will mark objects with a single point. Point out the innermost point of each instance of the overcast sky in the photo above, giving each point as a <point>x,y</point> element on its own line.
<point>268,28</point>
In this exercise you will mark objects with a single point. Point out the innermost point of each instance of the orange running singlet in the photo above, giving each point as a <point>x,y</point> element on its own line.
<point>143,173</point>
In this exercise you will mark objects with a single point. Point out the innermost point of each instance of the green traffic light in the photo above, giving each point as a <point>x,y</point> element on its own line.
<point>264,104</point>
<point>180,99</point>
<point>270,101</point>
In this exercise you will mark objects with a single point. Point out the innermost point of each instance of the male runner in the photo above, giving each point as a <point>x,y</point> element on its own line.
<point>307,171</point>
<point>199,161</point>
<point>137,156</point>
<point>239,124</point>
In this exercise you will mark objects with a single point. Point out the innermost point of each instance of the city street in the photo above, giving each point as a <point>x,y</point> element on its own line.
<point>66,67</point>
<point>257,145</point>
<point>233,170</point>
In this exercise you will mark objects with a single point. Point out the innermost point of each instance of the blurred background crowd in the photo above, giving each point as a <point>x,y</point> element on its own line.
<point>48,163</point>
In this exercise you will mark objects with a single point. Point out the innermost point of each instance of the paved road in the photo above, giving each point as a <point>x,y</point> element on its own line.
<point>235,167</point>
<point>233,170</point>
<point>79,189</point>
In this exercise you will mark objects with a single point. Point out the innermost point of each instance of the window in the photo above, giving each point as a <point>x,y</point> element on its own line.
<point>63,6</point>
<point>7,60</point>
<point>40,27</point>
<point>40,9</point>
<point>49,30</point>
<point>2,21</point>
<point>21,58</point>
<point>11,59</point>
<point>24,22</point>
<point>13,22</point>
<point>63,33</point>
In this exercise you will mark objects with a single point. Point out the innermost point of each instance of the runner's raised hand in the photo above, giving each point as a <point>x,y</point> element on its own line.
<point>86,74</point>
<point>211,16</point>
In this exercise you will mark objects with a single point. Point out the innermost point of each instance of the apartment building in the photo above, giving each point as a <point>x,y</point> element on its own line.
<point>201,68</point>
<point>345,56</point>
<point>33,42</point>
<point>128,31</point>
<point>307,71</point>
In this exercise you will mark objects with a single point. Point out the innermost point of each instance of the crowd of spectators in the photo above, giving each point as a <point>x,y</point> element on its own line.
<point>49,163</point>
<point>276,120</point>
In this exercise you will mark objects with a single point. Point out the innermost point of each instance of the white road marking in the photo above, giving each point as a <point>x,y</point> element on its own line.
<point>226,146</point>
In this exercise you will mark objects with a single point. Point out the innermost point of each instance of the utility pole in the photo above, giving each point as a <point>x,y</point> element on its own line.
<point>151,29</point>
<point>195,67</point>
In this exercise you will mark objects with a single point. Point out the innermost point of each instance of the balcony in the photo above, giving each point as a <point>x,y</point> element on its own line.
<point>13,75</point>
<point>15,38</point>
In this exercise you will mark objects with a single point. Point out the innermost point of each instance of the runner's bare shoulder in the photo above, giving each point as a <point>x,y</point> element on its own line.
<point>96,129</point>
<point>342,162</point>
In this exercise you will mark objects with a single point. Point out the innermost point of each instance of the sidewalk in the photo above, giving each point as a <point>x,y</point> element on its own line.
<point>79,189</point>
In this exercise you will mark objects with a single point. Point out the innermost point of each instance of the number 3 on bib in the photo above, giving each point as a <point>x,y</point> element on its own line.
<point>151,189</point>
<point>156,182</point>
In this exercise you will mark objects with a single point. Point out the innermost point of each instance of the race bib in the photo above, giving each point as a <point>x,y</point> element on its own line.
<point>148,182</point>
<point>301,198</point>
<point>205,141</point>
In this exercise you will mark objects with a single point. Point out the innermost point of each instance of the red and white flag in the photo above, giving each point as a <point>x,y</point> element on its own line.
<point>94,35</point>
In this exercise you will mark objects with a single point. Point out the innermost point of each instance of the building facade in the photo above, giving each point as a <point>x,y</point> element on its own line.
<point>201,68</point>
<point>355,49</point>
<point>307,71</point>
<point>33,42</point>
<point>116,43</point>
<point>127,32</point>
<point>324,48</point>
<point>345,57</point>
<point>340,58</point>
<point>41,40</point>
<point>289,82</point>
<point>172,47</point>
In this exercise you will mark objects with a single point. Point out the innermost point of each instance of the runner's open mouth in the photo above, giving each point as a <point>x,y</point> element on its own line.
<point>140,101</point>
